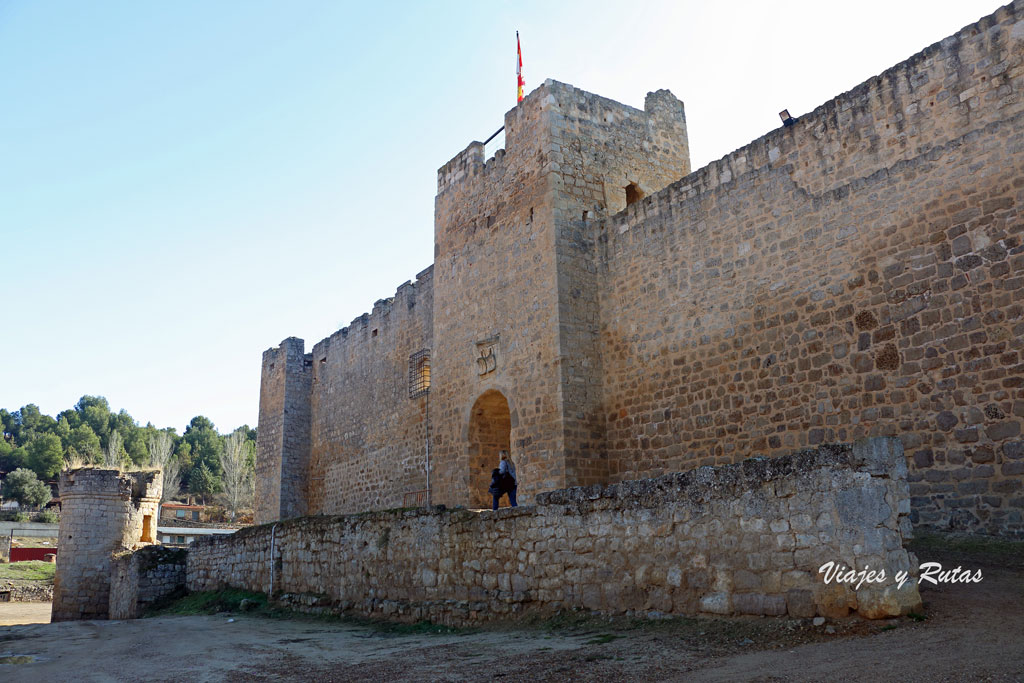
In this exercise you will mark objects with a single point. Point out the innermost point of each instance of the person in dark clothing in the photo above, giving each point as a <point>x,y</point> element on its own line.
<point>496,489</point>
<point>507,469</point>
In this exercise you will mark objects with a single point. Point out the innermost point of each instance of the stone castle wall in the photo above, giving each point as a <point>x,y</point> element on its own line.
<point>103,512</point>
<point>139,580</point>
<point>368,434</point>
<point>858,273</point>
<point>854,274</point>
<point>747,538</point>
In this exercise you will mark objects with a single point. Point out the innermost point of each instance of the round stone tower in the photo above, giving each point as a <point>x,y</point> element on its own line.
<point>102,512</point>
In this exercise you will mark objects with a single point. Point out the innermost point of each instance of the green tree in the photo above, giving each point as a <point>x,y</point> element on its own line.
<point>202,482</point>
<point>26,421</point>
<point>206,444</point>
<point>45,455</point>
<point>135,444</point>
<point>95,412</point>
<point>8,460</point>
<point>73,417</point>
<point>86,443</point>
<point>8,422</point>
<point>23,486</point>
<point>63,430</point>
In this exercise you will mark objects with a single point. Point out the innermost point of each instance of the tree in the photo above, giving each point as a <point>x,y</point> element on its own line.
<point>95,412</point>
<point>11,457</point>
<point>172,480</point>
<point>23,486</point>
<point>26,421</point>
<point>238,480</point>
<point>205,443</point>
<point>45,455</point>
<point>202,482</point>
<point>85,442</point>
<point>115,454</point>
<point>160,445</point>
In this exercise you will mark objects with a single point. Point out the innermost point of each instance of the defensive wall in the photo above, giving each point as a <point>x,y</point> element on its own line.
<point>144,579</point>
<point>607,315</point>
<point>746,538</point>
<point>103,513</point>
<point>858,273</point>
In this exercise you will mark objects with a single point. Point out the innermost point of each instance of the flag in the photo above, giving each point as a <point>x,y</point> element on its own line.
<point>519,70</point>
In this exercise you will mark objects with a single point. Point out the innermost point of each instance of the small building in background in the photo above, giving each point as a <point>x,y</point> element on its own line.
<point>181,523</point>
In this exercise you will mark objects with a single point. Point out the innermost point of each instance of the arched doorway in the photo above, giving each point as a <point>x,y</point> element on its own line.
<point>490,428</point>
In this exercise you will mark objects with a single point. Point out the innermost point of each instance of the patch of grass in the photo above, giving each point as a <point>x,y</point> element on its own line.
<point>34,570</point>
<point>602,638</point>
<point>888,627</point>
<point>1003,552</point>
<point>211,602</point>
<point>230,600</point>
<point>34,542</point>
<point>917,617</point>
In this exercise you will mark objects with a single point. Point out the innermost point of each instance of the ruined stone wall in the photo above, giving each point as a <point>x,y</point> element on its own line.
<point>103,512</point>
<point>747,538</point>
<point>145,578</point>
<point>282,442</point>
<point>368,433</point>
<point>858,273</point>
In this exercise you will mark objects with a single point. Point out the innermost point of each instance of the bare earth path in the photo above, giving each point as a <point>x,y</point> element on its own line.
<point>974,632</point>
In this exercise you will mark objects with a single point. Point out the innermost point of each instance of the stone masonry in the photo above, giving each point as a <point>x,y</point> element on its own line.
<point>103,512</point>
<point>145,578</point>
<point>746,538</point>
<point>606,314</point>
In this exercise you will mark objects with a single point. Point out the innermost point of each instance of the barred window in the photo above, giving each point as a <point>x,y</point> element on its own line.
<point>419,373</point>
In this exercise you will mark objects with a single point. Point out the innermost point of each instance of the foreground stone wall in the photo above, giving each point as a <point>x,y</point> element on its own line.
<point>103,512</point>
<point>145,578</point>
<point>746,538</point>
<point>856,274</point>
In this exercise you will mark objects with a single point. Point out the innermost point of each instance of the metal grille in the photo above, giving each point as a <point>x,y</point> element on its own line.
<point>419,373</point>
<point>414,499</point>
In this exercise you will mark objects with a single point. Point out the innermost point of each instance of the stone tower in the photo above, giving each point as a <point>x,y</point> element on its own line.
<point>506,319</point>
<point>516,319</point>
<point>102,512</point>
<point>282,458</point>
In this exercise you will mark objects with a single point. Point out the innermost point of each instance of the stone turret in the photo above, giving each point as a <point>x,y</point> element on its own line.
<point>103,512</point>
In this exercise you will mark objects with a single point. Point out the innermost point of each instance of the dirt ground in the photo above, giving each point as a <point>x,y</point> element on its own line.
<point>973,632</point>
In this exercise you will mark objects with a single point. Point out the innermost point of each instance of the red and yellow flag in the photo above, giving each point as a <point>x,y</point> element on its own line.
<point>519,70</point>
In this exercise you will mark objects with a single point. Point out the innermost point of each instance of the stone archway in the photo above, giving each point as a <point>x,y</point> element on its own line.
<point>490,430</point>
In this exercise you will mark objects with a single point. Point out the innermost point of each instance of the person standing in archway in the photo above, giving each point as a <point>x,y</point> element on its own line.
<point>507,470</point>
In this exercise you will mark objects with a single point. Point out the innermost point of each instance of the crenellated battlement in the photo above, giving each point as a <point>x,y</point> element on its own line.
<point>380,316</point>
<point>895,116</point>
<point>605,313</point>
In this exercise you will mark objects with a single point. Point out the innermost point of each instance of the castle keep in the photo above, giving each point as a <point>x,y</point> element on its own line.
<point>606,314</point>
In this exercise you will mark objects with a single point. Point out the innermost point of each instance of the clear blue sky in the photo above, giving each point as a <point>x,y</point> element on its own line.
<point>184,184</point>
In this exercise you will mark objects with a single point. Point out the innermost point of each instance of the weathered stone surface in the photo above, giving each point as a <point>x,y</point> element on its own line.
<point>608,315</point>
<point>716,539</point>
<point>103,512</point>
<point>144,578</point>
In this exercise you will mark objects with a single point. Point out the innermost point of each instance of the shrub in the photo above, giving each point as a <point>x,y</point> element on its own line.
<point>47,517</point>
<point>21,517</point>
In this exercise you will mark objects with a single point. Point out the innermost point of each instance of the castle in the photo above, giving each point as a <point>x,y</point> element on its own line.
<point>606,314</point>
